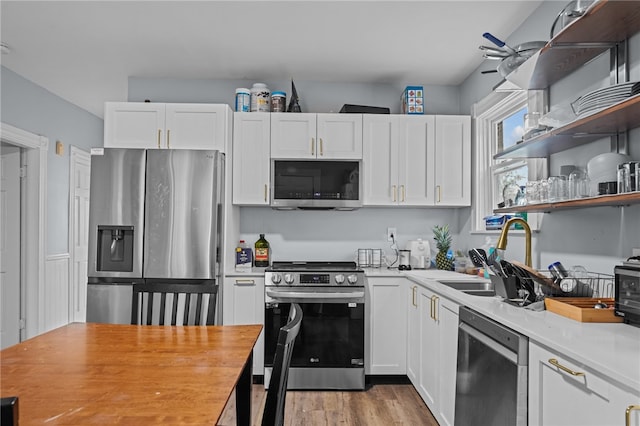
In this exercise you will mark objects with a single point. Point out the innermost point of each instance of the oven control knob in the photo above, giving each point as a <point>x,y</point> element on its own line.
<point>288,278</point>
<point>339,279</point>
<point>352,279</point>
<point>276,278</point>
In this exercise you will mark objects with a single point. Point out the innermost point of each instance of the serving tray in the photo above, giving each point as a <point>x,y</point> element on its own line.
<point>581,309</point>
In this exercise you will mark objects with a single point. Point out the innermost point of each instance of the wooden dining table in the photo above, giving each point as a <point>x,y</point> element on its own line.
<point>87,373</point>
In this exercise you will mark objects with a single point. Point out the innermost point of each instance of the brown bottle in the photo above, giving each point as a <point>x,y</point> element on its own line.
<point>262,252</point>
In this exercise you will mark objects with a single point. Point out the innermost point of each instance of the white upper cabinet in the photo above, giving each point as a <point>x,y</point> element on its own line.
<point>416,160</point>
<point>251,163</point>
<point>321,136</point>
<point>453,160</point>
<point>163,126</point>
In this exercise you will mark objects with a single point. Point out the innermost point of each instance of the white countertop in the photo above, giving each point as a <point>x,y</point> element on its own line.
<point>613,349</point>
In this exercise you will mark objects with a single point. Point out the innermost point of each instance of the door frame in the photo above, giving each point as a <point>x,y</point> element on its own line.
<point>34,232</point>
<point>76,156</point>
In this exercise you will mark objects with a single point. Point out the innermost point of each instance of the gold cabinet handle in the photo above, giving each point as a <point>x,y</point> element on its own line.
<point>434,307</point>
<point>556,363</point>
<point>159,137</point>
<point>414,291</point>
<point>393,188</point>
<point>321,148</point>
<point>265,192</point>
<point>245,282</point>
<point>438,188</point>
<point>402,186</point>
<point>168,138</point>
<point>627,414</point>
<point>313,146</point>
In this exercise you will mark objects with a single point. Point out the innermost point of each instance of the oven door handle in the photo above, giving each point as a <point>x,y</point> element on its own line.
<point>293,295</point>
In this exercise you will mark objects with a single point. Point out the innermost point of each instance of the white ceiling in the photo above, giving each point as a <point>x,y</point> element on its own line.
<point>84,51</point>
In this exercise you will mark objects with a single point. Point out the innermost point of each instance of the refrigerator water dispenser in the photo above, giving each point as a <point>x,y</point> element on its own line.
<point>115,248</point>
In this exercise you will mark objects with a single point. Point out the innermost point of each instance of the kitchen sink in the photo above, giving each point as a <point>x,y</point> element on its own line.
<point>473,288</point>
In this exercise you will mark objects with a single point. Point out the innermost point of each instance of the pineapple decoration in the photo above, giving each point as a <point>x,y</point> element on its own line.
<point>443,243</point>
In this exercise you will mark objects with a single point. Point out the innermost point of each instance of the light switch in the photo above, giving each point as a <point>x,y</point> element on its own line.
<point>59,148</point>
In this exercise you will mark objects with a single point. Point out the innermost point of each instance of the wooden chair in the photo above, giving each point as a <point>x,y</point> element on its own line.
<point>273,414</point>
<point>9,411</point>
<point>145,311</point>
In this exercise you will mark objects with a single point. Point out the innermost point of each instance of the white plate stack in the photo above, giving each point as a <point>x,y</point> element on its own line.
<point>605,97</point>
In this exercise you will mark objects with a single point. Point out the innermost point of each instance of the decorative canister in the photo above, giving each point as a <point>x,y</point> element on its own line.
<point>243,99</point>
<point>260,98</point>
<point>278,102</point>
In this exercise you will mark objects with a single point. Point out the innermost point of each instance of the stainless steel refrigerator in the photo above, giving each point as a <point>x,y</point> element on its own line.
<point>153,215</point>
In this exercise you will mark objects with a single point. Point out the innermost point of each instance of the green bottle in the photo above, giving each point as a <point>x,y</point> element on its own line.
<point>262,252</point>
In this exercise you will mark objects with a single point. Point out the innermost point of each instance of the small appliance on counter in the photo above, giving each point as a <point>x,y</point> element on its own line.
<point>420,254</point>
<point>405,260</point>
<point>627,290</point>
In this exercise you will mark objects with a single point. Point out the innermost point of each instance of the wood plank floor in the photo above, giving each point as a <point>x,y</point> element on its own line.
<point>380,404</point>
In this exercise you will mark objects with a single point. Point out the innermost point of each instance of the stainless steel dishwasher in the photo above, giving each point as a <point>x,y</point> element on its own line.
<point>491,375</point>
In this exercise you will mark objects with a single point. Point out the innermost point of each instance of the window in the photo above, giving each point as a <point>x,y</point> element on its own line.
<point>499,124</point>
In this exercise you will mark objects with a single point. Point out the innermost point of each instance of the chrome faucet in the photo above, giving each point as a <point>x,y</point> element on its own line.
<point>502,241</point>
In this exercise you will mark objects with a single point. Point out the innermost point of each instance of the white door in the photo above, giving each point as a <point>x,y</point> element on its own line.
<point>380,160</point>
<point>293,135</point>
<point>251,163</point>
<point>195,126</point>
<point>453,160</point>
<point>80,173</point>
<point>416,151</point>
<point>134,125</point>
<point>339,136</point>
<point>10,246</point>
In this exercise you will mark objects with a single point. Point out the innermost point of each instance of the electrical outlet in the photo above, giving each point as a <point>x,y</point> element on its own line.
<point>391,234</point>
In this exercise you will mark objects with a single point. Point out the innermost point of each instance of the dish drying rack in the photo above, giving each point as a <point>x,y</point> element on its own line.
<point>525,287</point>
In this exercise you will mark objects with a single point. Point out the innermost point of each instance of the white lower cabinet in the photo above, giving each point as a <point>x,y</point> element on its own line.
<point>387,324</point>
<point>244,304</point>
<point>565,392</point>
<point>432,349</point>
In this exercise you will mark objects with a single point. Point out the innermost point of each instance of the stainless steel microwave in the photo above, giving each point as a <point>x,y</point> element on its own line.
<point>627,296</point>
<point>316,184</point>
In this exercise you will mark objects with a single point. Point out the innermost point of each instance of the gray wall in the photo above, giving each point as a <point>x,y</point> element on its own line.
<point>595,237</point>
<point>34,109</point>
<point>314,96</point>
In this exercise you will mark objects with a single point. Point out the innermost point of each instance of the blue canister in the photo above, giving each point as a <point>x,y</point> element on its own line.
<point>243,100</point>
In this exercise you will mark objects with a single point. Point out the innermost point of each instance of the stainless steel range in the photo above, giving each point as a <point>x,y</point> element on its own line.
<point>329,350</point>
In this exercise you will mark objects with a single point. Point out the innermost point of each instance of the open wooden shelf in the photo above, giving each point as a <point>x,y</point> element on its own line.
<point>619,117</point>
<point>602,200</point>
<point>606,23</point>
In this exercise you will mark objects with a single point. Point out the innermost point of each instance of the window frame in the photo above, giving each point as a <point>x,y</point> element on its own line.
<point>486,114</point>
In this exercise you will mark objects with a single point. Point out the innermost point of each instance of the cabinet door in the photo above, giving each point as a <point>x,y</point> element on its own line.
<point>134,125</point>
<point>293,135</point>
<point>557,397</point>
<point>416,156</point>
<point>339,136</point>
<point>429,339</point>
<point>251,162</point>
<point>196,126</point>
<point>380,160</point>
<point>413,335</point>
<point>447,350</point>
<point>388,326</point>
<point>248,308</point>
<point>453,160</point>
